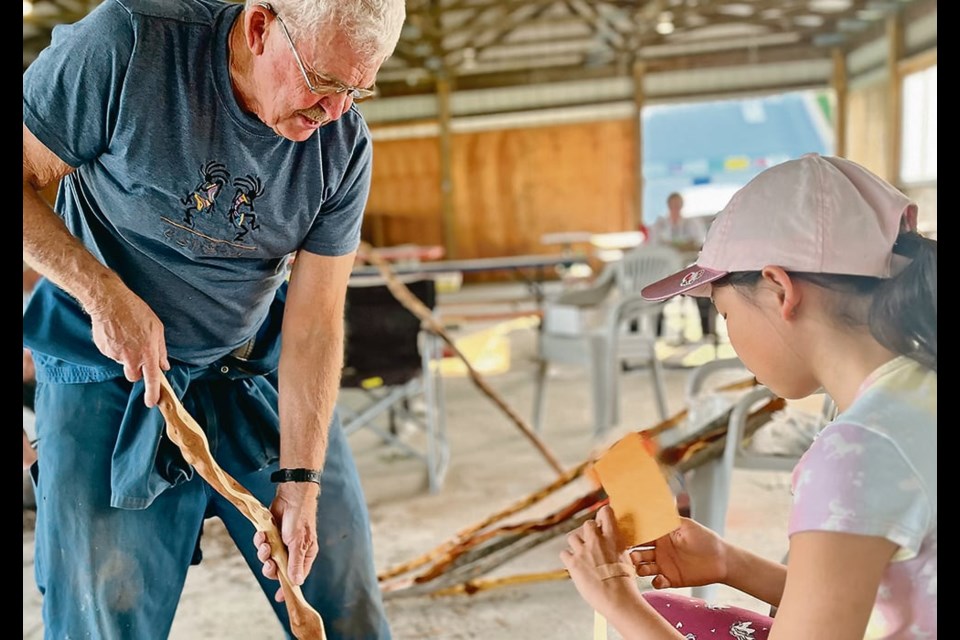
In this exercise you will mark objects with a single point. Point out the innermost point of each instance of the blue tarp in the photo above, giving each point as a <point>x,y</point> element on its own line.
<point>725,142</point>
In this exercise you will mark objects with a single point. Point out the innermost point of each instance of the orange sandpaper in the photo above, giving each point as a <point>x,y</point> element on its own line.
<point>641,500</point>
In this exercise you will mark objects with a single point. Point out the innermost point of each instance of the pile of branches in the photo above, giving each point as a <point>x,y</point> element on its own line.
<point>457,566</point>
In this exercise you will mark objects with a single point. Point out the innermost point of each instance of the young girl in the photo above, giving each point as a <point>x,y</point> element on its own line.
<point>823,281</point>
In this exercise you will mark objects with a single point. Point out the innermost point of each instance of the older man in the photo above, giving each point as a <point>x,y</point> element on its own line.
<point>198,145</point>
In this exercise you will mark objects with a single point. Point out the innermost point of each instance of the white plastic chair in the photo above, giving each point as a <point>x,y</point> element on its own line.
<point>601,326</point>
<point>709,484</point>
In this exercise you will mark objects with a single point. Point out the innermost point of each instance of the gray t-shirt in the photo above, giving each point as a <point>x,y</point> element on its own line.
<point>195,203</point>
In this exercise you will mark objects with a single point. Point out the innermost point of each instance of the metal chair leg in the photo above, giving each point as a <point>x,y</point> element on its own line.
<point>659,392</point>
<point>600,386</point>
<point>539,384</point>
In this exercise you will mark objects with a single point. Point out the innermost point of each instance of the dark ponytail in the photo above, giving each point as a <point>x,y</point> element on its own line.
<point>903,314</point>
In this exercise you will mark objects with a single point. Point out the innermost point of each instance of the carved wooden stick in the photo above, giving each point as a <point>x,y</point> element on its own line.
<point>413,304</point>
<point>184,431</point>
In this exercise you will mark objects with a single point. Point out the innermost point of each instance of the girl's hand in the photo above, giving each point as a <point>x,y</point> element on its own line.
<point>591,558</point>
<point>690,556</point>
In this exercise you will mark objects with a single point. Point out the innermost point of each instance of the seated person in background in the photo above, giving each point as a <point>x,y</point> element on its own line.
<point>845,302</point>
<point>686,235</point>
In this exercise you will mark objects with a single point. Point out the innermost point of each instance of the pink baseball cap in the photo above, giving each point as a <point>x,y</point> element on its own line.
<point>815,214</point>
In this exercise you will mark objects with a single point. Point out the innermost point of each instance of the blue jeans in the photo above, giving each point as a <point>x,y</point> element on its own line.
<point>110,573</point>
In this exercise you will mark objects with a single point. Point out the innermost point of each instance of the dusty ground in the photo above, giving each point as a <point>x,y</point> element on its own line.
<point>492,464</point>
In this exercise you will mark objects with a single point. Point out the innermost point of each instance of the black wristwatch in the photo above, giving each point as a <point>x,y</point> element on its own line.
<point>295,475</point>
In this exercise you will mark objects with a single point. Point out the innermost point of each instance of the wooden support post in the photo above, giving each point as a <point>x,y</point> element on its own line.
<point>915,63</point>
<point>839,82</point>
<point>894,98</point>
<point>639,71</point>
<point>447,203</point>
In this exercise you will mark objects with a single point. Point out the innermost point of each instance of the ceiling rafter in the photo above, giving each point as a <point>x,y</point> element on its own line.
<point>487,38</point>
<point>474,27</point>
<point>602,28</point>
<point>486,42</point>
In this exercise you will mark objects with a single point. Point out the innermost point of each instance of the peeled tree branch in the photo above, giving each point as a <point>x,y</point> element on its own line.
<point>457,565</point>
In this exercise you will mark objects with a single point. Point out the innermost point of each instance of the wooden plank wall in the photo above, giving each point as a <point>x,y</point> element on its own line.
<point>867,127</point>
<point>404,203</point>
<point>510,187</point>
<point>867,144</point>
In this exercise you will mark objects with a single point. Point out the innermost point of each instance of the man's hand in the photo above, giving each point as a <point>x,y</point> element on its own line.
<point>295,508</point>
<point>125,329</point>
<point>690,556</point>
<point>128,332</point>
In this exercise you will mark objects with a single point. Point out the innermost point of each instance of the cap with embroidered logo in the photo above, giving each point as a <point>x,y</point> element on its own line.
<point>814,214</point>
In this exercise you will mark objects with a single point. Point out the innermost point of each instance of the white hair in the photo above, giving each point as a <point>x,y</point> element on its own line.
<point>371,26</point>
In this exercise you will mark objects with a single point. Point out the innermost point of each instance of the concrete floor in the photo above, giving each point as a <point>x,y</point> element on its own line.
<point>492,464</point>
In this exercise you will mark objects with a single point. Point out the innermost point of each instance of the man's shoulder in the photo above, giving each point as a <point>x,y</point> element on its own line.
<point>201,11</point>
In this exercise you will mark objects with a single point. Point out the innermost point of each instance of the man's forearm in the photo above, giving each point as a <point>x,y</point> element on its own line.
<point>50,249</point>
<point>309,382</point>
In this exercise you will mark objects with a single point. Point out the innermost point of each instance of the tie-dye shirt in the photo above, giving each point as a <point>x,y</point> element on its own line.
<point>873,471</point>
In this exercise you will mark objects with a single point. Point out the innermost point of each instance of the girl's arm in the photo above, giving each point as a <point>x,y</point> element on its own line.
<point>756,576</point>
<point>831,586</point>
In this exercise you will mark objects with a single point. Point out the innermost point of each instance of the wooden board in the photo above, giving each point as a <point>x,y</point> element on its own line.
<point>510,186</point>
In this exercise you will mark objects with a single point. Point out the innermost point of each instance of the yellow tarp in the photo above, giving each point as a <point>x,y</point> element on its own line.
<point>487,350</point>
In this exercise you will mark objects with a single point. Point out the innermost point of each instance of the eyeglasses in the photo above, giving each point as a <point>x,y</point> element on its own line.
<point>322,86</point>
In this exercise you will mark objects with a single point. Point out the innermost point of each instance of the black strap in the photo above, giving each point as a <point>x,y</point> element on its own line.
<point>295,475</point>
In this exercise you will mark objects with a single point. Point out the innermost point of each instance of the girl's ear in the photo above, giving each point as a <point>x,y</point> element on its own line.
<point>788,293</point>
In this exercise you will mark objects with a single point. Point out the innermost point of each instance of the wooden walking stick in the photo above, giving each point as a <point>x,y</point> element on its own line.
<point>184,431</point>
